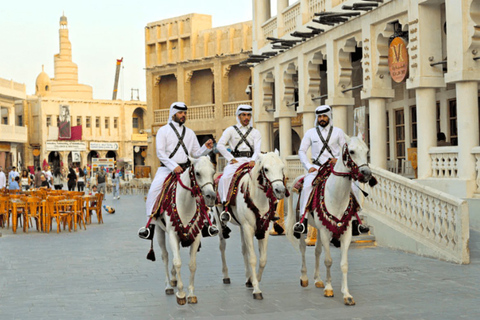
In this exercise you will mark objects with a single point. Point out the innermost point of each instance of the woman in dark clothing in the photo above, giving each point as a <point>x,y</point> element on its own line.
<point>81,180</point>
<point>72,180</point>
<point>57,179</point>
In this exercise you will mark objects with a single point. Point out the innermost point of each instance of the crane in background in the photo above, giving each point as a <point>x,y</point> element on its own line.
<point>117,75</point>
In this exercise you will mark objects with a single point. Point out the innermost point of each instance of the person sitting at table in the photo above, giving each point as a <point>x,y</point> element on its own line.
<point>93,192</point>
<point>45,184</point>
<point>14,184</point>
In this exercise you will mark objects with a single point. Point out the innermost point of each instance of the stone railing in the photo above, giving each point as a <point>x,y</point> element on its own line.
<point>444,162</point>
<point>437,221</point>
<point>476,153</point>
<point>269,27</point>
<point>201,112</point>
<point>13,133</point>
<point>293,168</point>
<point>230,108</point>
<point>315,6</point>
<point>290,16</point>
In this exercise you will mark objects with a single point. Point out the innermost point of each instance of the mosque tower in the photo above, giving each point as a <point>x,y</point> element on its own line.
<point>65,83</point>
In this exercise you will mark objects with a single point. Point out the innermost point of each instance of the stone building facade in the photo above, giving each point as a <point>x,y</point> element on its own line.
<point>188,60</point>
<point>108,128</point>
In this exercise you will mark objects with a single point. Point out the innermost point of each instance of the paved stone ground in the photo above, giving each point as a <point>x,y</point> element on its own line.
<point>102,273</point>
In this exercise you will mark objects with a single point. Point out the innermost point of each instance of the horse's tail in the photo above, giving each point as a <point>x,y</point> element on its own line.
<point>291,216</point>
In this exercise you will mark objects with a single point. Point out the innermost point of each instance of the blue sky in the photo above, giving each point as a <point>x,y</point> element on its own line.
<point>101,31</point>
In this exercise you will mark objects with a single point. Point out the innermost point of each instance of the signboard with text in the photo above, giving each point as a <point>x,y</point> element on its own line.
<point>398,59</point>
<point>103,146</point>
<point>65,146</point>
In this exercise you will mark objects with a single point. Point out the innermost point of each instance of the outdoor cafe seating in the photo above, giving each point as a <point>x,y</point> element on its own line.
<point>43,210</point>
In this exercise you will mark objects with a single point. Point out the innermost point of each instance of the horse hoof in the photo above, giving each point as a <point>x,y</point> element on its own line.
<point>349,301</point>
<point>181,301</point>
<point>304,283</point>
<point>173,283</point>
<point>226,281</point>
<point>192,300</point>
<point>328,293</point>
<point>258,296</point>
<point>249,284</point>
<point>169,291</point>
<point>319,284</point>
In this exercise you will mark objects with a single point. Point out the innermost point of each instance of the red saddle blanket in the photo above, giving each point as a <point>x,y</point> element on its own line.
<point>233,189</point>
<point>316,203</point>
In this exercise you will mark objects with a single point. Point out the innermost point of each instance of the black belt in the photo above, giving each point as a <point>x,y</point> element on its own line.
<point>184,166</point>
<point>241,154</point>
<point>317,163</point>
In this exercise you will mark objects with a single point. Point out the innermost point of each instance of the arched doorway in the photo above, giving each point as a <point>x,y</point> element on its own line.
<point>54,160</point>
<point>139,155</point>
<point>92,154</point>
<point>295,142</point>
<point>137,120</point>
<point>111,154</point>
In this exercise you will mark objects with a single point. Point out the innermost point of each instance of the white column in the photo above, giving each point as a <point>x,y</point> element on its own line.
<point>467,120</point>
<point>340,117</point>
<point>264,128</point>
<point>285,137</point>
<point>308,121</point>
<point>261,13</point>
<point>426,129</point>
<point>378,132</point>
<point>281,5</point>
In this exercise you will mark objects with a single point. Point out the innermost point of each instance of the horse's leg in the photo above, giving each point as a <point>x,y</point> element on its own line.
<point>345,243</point>
<point>252,260</point>
<point>303,246</point>
<point>318,251</point>
<point>325,238</point>
<point>248,273</point>
<point>177,264</point>
<point>161,242</point>
<point>192,298</point>
<point>222,246</point>
<point>262,250</point>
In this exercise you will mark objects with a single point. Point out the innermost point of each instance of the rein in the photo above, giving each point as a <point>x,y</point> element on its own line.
<point>349,163</point>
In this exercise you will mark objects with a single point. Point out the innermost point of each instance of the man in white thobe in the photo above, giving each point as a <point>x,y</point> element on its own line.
<point>174,143</point>
<point>3,179</point>
<point>326,142</point>
<point>245,143</point>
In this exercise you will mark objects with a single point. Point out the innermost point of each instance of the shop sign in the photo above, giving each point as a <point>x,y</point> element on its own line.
<point>65,146</point>
<point>398,59</point>
<point>103,146</point>
<point>4,146</point>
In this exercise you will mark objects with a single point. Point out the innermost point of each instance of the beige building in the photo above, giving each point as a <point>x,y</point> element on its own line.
<point>99,128</point>
<point>412,67</point>
<point>188,60</point>
<point>13,132</point>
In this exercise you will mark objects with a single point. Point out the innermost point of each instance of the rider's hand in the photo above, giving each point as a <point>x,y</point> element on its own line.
<point>251,164</point>
<point>233,161</point>
<point>312,169</point>
<point>334,160</point>
<point>209,144</point>
<point>178,169</point>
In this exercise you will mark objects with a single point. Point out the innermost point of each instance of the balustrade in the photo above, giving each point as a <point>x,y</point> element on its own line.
<point>444,162</point>
<point>436,219</point>
<point>290,16</point>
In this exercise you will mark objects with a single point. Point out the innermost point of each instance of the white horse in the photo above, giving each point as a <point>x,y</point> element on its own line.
<point>254,208</point>
<point>191,210</point>
<point>352,165</point>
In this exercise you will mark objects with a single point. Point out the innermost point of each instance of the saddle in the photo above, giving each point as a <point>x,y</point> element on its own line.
<point>233,188</point>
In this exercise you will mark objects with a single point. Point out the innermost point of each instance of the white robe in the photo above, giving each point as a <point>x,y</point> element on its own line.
<point>311,139</point>
<point>231,137</point>
<point>166,141</point>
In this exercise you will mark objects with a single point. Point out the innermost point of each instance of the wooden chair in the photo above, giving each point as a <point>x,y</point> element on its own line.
<point>53,212</point>
<point>4,211</point>
<point>35,209</point>
<point>97,207</point>
<point>79,216</point>
<point>17,209</point>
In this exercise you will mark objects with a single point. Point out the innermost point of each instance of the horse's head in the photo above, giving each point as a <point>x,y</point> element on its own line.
<point>270,171</point>
<point>204,171</point>
<point>355,157</point>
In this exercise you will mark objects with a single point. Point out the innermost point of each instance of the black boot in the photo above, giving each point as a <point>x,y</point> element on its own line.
<point>226,231</point>
<point>209,231</point>
<point>300,228</point>
<point>355,230</point>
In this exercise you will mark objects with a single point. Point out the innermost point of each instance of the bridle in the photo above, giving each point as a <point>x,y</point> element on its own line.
<point>348,162</point>
<point>196,188</point>
<point>266,185</point>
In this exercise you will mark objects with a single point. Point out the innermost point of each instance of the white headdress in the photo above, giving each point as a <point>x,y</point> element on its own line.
<point>326,110</point>
<point>176,107</point>
<point>243,108</point>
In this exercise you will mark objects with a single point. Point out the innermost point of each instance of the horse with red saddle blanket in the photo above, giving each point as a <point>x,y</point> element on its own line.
<point>251,204</point>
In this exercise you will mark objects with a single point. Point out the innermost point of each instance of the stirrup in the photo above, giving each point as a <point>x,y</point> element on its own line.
<point>225,216</point>
<point>301,228</point>
<point>146,233</point>
<point>213,230</point>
